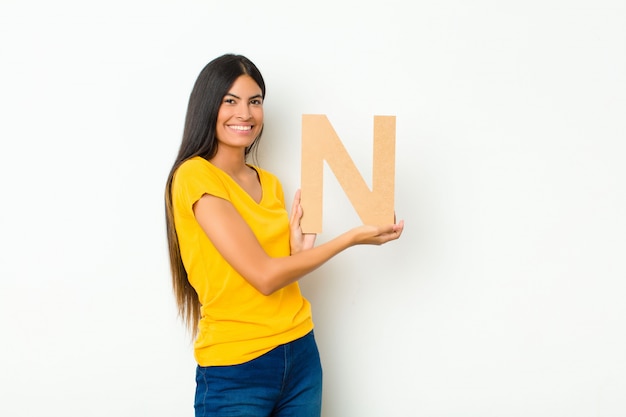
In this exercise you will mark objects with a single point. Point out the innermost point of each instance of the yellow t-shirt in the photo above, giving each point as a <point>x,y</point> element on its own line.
<point>238,323</point>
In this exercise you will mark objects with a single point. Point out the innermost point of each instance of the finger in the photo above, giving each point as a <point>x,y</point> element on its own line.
<point>294,206</point>
<point>299,205</point>
<point>397,231</point>
<point>400,227</point>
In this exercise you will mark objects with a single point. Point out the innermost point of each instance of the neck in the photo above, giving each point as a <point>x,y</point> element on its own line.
<point>233,163</point>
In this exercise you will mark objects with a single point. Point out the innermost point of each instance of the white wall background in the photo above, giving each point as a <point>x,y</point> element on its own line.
<point>505,295</point>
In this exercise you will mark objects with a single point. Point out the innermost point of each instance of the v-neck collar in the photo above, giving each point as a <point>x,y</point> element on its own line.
<point>259,177</point>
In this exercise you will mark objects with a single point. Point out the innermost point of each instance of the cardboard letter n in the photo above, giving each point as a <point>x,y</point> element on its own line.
<point>320,143</point>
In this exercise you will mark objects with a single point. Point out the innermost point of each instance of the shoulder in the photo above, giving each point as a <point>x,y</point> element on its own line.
<point>266,175</point>
<point>197,176</point>
<point>196,169</point>
<point>193,165</point>
<point>270,182</point>
<point>268,179</point>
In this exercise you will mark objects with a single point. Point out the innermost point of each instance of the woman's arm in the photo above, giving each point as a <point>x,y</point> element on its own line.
<point>234,239</point>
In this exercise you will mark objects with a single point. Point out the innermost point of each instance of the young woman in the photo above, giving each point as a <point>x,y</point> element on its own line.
<point>236,256</point>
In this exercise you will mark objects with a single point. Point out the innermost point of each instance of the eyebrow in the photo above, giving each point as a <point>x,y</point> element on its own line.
<point>239,98</point>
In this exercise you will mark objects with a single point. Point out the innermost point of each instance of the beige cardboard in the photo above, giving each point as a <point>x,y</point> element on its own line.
<point>320,143</point>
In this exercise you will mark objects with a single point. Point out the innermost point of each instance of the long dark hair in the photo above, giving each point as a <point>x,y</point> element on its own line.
<point>199,139</point>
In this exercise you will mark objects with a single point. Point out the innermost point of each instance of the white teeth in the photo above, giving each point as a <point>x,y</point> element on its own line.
<point>241,127</point>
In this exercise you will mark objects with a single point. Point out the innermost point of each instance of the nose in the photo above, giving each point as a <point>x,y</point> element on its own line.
<point>244,112</point>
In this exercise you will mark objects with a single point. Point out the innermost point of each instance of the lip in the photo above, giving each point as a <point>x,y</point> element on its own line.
<point>241,128</point>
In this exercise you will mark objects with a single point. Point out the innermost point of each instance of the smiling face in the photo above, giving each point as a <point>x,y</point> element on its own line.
<point>240,117</point>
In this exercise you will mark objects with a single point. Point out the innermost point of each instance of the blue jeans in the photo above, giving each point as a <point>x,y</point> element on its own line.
<point>285,382</point>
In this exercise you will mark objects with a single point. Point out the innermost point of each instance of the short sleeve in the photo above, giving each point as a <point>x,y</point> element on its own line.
<point>192,180</point>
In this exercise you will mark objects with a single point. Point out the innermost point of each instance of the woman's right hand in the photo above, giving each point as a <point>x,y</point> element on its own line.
<point>377,235</point>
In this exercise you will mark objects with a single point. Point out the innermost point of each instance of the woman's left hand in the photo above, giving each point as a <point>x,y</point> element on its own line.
<point>298,240</point>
